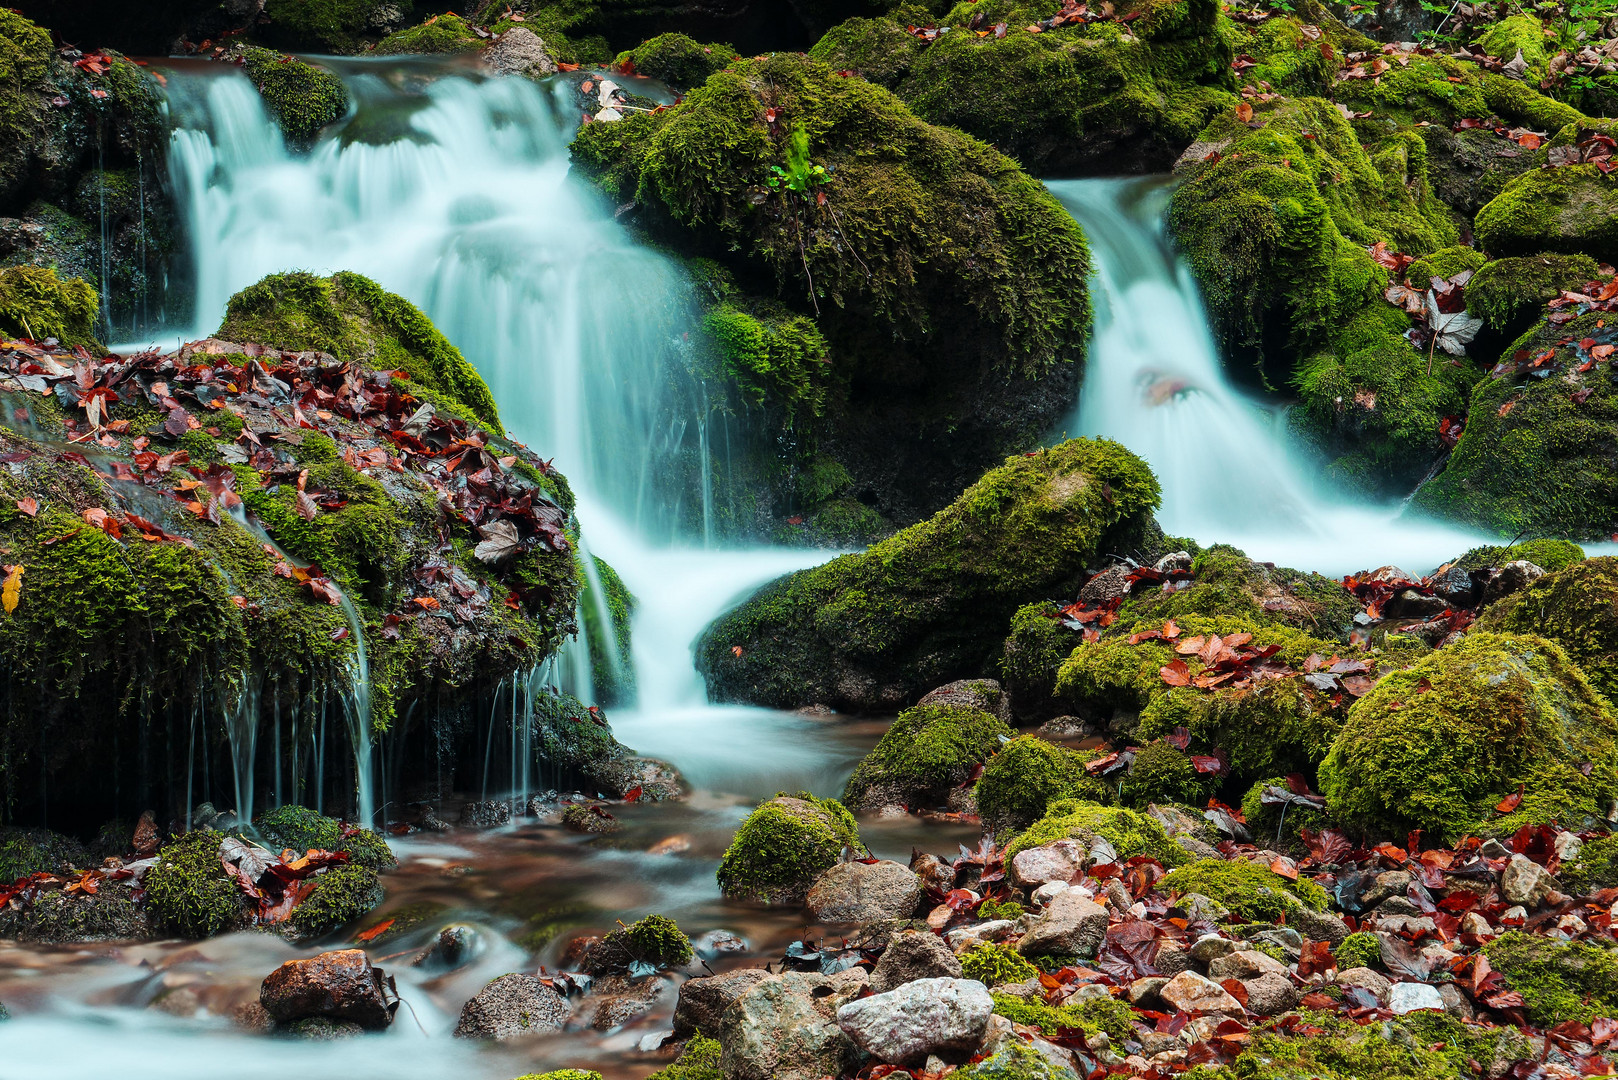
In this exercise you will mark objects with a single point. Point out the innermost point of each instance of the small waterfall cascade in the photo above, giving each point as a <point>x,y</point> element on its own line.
<point>1154,383</point>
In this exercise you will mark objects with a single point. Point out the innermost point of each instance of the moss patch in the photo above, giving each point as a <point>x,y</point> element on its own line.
<point>927,751</point>
<point>1576,607</point>
<point>1028,776</point>
<point>699,1060</point>
<point>1558,980</point>
<point>1253,892</point>
<point>301,97</point>
<point>36,304</point>
<point>188,890</point>
<point>677,60</point>
<point>995,964</point>
<point>1129,833</point>
<point>784,845</point>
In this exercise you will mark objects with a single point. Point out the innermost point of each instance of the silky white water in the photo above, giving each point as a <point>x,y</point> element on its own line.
<point>1154,383</point>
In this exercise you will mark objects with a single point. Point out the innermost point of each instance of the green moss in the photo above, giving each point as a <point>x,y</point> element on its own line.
<point>1032,655</point>
<point>1162,773</point>
<point>1516,33</point>
<point>678,60</point>
<point>1506,290</point>
<point>930,603</point>
<point>445,33</point>
<point>927,751</point>
<point>699,1060</point>
<point>656,940</point>
<point>341,895</point>
<point>352,318</point>
<point>563,1074</point>
<point>1596,867</point>
<point>1028,776</point>
<point>188,891</point>
<point>1551,555</point>
<point>879,50</point>
<point>1014,1060</point>
<point>36,304</point>
<point>1001,909</point>
<point>301,97</point>
<point>1359,950</point>
<point>1114,1017</point>
<point>1253,892</point>
<point>1572,209</point>
<point>303,830</point>
<point>772,353</point>
<point>32,851</point>
<point>1445,263</point>
<point>1576,607</point>
<point>995,964</point>
<point>1279,826</point>
<point>783,845</point>
<point>1558,980</point>
<point>1435,745</point>
<point>608,621</point>
<point>333,26</point>
<point>1129,833</point>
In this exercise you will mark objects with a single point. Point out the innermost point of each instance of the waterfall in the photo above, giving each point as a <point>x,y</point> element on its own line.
<point>1154,382</point>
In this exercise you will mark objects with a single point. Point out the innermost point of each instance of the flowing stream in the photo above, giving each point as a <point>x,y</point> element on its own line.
<point>452,190</point>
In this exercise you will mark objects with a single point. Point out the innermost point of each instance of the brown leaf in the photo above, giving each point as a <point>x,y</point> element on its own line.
<point>1244,112</point>
<point>1510,802</point>
<point>1175,674</point>
<point>28,506</point>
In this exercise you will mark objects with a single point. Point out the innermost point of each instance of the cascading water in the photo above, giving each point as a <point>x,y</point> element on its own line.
<point>1154,383</point>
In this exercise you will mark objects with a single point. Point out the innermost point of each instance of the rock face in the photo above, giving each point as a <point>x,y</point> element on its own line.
<point>785,1028</point>
<point>512,1007</point>
<point>1071,924</point>
<point>928,1016</point>
<point>877,629</point>
<point>336,985</point>
<point>864,892</point>
<point>703,1001</point>
<point>520,51</point>
<point>910,956</point>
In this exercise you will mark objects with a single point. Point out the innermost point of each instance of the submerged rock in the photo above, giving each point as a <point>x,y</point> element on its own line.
<point>512,1007</point>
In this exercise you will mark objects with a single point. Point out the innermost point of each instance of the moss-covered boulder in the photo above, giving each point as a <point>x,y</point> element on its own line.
<point>676,59</point>
<point>301,97</point>
<point>1547,554</point>
<point>1028,776</point>
<point>931,604</point>
<point>33,851</point>
<point>1120,94</point>
<point>1436,745</point>
<point>301,829</point>
<point>607,608</point>
<point>1129,833</point>
<point>929,751</point>
<point>784,845</point>
<point>1572,209</point>
<point>1558,980</point>
<point>37,305</point>
<point>446,33</point>
<point>1249,890</point>
<point>332,26</point>
<point>1506,291</point>
<point>653,942</point>
<point>188,890</point>
<point>355,319</point>
<point>1538,455</point>
<point>1575,606</point>
<point>341,894</point>
<point>948,286</point>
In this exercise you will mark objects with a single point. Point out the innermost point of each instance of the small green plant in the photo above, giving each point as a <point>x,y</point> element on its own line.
<point>800,176</point>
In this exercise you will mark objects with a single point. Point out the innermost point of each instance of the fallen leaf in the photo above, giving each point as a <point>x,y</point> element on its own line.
<point>11,591</point>
<point>28,506</point>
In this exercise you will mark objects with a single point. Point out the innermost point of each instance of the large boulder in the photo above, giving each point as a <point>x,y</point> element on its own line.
<point>703,1001</point>
<point>513,1007</point>
<point>932,298</point>
<point>927,752</point>
<point>785,1028</point>
<point>336,985</point>
<point>784,845</point>
<point>877,629</point>
<point>864,892</point>
<point>1436,745</point>
<point>1576,607</point>
<point>918,1019</point>
<point>1571,209</point>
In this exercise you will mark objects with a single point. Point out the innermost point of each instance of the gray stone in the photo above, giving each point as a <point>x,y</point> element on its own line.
<point>1454,586</point>
<point>964,937</point>
<point>1190,992</point>
<point>513,1007</point>
<point>862,892</point>
<point>1526,882</point>
<point>1406,925</point>
<point>785,1028</point>
<point>488,814</point>
<point>1071,924</point>
<point>1058,861</point>
<point>1048,892</point>
<point>983,694</point>
<point>1366,979</point>
<point>1143,992</point>
<point>520,51</point>
<point>933,871</point>
<point>1388,883</point>
<point>1319,925</point>
<point>1456,1003</point>
<point>703,1001</point>
<point>1243,965</point>
<point>1512,577</point>
<point>1210,947</point>
<point>1288,940</point>
<point>1118,898</point>
<point>913,955</point>
<point>1409,997</point>
<point>618,999</point>
<point>1270,994</point>
<point>1172,958</point>
<point>928,1016</point>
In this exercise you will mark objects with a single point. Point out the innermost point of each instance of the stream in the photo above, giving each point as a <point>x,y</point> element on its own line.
<point>451,189</point>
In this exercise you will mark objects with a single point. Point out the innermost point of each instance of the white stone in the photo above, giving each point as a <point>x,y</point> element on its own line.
<point>928,1016</point>
<point>1409,997</point>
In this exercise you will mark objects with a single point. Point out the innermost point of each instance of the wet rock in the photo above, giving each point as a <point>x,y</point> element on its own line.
<point>703,1001</point>
<point>1411,604</point>
<point>1409,997</point>
<point>511,1007</point>
<point>322,1029</point>
<point>454,946</point>
<point>617,999</point>
<point>592,818</point>
<point>249,1016</point>
<point>1057,861</point>
<point>1071,924</point>
<point>337,985</point>
<point>1143,992</point>
<point>1244,966</point>
<point>785,1028</point>
<point>182,1001</point>
<point>520,51</point>
<point>985,694</point>
<point>1063,727</point>
<point>1526,882</point>
<point>964,937</point>
<point>1366,979</point>
<point>718,943</point>
<point>1512,577</point>
<point>1454,586</point>
<point>910,956</point>
<point>928,1016</point>
<point>147,839</point>
<point>861,892</point>
<point>1270,994</point>
<point>1190,992</point>
<point>1385,885</point>
<point>1111,584</point>
<point>488,814</point>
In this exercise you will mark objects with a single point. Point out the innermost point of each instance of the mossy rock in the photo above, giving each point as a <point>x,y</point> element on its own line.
<point>1572,209</point>
<point>1028,776</point>
<point>1362,949</point>
<point>1093,1015</point>
<point>927,751</point>
<point>354,319</point>
<point>994,963</point>
<point>1595,867</point>
<point>1503,291</point>
<point>1163,773</point>
<point>1014,1060</point>
<point>1576,607</point>
<point>1444,264</point>
<point>678,60</point>
<point>771,353</point>
<point>33,851</point>
<point>563,1074</point>
<point>608,618</point>
<point>36,304</point>
<point>303,830</point>
<point>1225,582</point>
<point>301,97</point>
<point>1107,95</point>
<point>331,26</point>
<point>1130,833</point>
<point>655,941</point>
<point>188,891</point>
<point>1253,892</point>
<point>570,745</point>
<point>341,895</point>
<point>1279,826</point>
<point>1532,460</point>
<point>1551,555</point>
<point>930,604</point>
<point>784,845</point>
<point>446,33</point>
<point>1436,745</point>
<point>1558,980</point>
<point>698,1060</point>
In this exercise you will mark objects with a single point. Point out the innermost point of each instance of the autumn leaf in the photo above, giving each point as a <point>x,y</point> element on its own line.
<point>1510,802</point>
<point>1244,112</point>
<point>28,506</point>
<point>1175,674</point>
<point>11,591</point>
<point>365,937</point>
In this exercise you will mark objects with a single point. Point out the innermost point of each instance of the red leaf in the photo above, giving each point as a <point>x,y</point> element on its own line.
<point>1176,673</point>
<point>28,506</point>
<point>1510,802</point>
<point>368,936</point>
